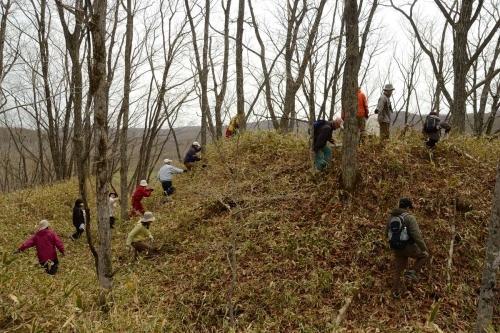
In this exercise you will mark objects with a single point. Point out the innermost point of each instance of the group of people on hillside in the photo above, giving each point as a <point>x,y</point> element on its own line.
<point>375,124</point>
<point>401,228</point>
<point>47,241</point>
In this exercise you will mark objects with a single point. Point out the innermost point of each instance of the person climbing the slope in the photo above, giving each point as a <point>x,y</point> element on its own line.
<point>136,238</point>
<point>140,192</point>
<point>78,219</point>
<point>165,176</point>
<point>323,131</point>
<point>191,157</point>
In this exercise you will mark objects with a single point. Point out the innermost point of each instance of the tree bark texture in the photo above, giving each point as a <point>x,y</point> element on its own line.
<point>240,97</point>
<point>100,88</point>
<point>350,93</point>
<point>491,263</point>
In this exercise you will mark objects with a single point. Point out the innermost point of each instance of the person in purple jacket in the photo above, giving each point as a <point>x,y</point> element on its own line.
<point>46,241</point>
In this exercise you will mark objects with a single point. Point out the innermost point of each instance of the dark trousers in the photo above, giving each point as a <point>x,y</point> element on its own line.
<point>50,266</point>
<point>78,233</point>
<point>400,263</point>
<point>167,187</point>
<point>112,220</point>
<point>431,143</point>
<point>385,131</point>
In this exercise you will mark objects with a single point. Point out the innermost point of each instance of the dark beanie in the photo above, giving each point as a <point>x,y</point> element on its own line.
<point>405,203</point>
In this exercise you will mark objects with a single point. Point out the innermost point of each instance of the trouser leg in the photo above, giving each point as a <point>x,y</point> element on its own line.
<point>400,263</point>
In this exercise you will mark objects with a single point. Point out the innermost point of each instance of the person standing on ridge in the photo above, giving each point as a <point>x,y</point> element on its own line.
<point>384,108</point>
<point>78,219</point>
<point>233,127</point>
<point>412,247</point>
<point>323,131</point>
<point>191,156</point>
<point>45,241</point>
<point>165,176</point>
<point>140,192</point>
<point>363,113</point>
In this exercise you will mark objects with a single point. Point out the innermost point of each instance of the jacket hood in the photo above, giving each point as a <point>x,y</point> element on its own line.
<point>398,211</point>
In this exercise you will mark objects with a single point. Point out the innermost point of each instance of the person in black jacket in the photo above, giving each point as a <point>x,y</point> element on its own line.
<point>191,156</point>
<point>78,219</point>
<point>321,151</point>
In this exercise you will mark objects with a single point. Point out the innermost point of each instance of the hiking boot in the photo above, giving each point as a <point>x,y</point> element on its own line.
<point>396,295</point>
<point>411,276</point>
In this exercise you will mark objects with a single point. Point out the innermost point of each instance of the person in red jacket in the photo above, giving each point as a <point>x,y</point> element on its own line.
<point>46,241</point>
<point>140,192</point>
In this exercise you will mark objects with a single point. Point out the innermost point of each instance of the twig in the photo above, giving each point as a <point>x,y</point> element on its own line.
<point>109,276</point>
<point>343,310</point>
<point>452,244</point>
<point>472,158</point>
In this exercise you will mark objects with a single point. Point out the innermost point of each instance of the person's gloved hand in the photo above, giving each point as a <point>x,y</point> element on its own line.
<point>127,248</point>
<point>185,170</point>
<point>82,226</point>
<point>63,254</point>
<point>425,253</point>
<point>447,130</point>
<point>366,116</point>
<point>152,240</point>
<point>16,252</point>
<point>152,189</point>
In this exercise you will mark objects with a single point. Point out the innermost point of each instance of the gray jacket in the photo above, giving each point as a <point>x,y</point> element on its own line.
<point>415,242</point>
<point>384,108</point>
<point>166,171</point>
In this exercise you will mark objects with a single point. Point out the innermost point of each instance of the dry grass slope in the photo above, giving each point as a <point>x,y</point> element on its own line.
<point>301,251</point>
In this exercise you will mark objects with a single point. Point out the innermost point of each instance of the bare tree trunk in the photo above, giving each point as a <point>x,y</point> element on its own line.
<point>100,88</point>
<point>240,97</point>
<point>125,108</point>
<point>490,269</point>
<point>350,92</point>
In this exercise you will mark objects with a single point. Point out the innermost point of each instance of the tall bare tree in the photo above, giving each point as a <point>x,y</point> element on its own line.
<point>99,89</point>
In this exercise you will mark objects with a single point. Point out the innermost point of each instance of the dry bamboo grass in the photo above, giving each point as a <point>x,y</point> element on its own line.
<point>301,251</point>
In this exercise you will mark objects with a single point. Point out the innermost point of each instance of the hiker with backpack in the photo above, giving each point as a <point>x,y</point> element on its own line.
<point>384,108</point>
<point>323,131</point>
<point>406,242</point>
<point>432,129</point>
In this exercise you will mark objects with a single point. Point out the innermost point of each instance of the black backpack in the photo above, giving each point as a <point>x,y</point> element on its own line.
<point>398,234</point>
<point>431,124</point>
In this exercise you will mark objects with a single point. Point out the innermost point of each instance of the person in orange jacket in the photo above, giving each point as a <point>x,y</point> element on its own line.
<point>140,192</point>
<point>363,112</point>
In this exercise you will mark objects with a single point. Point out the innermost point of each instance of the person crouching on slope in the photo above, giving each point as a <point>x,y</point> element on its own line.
<point>78,219</point>
<point>321,151</point>
<point>140,233</point>
<point>191,156</point>
<point>140,192</point>
<point>45,241</point>
<point>165,176</point>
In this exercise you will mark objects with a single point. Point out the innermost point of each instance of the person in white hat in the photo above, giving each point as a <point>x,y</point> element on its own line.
<point>384,108</point>
<point>165,176</point>
<point>140,233</point>
<point>191,156</point>
<point>45,241</point>
<point>140,192</point>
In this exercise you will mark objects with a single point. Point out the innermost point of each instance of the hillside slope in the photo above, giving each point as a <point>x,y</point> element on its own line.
<point>301,250</point>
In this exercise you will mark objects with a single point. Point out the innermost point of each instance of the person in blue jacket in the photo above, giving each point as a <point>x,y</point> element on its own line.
<point>191,157</point>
